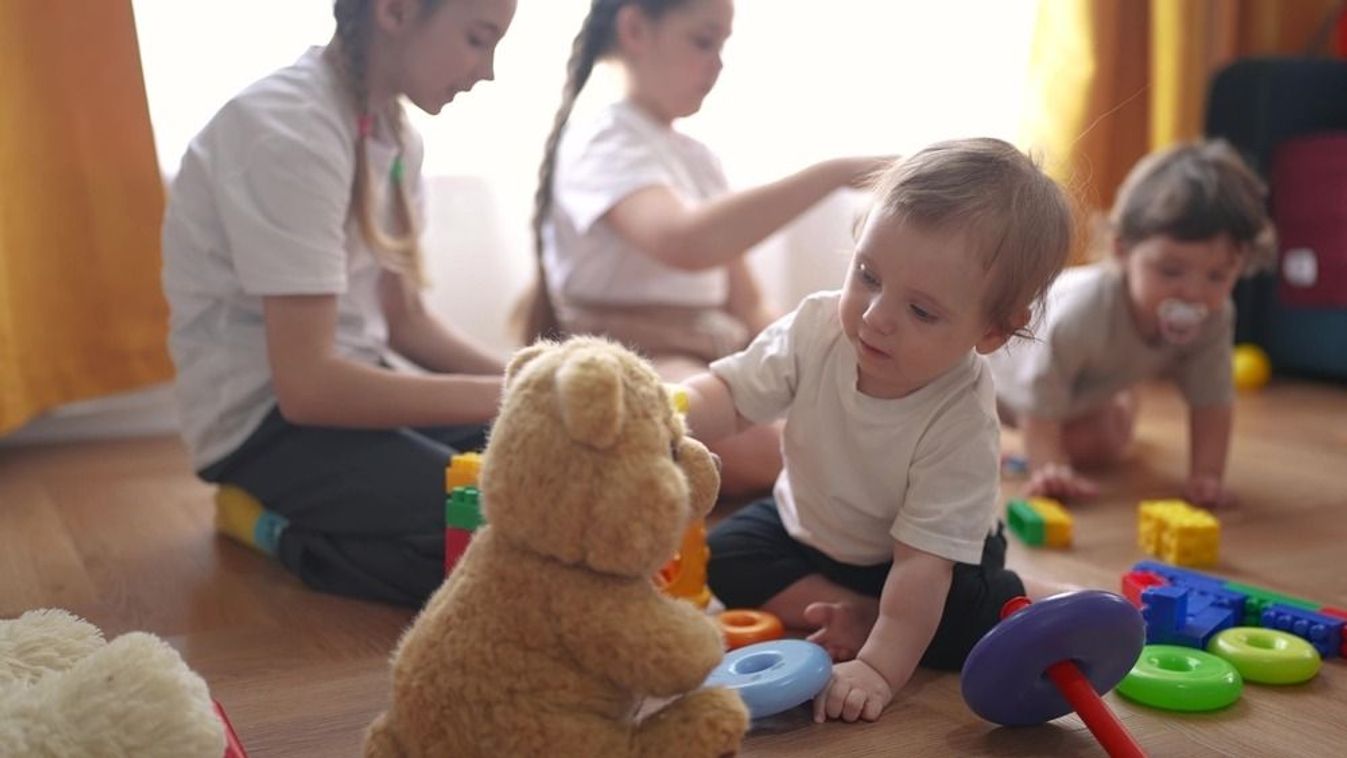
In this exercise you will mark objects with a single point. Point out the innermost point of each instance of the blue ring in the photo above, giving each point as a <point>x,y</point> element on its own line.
<point>774,676</point>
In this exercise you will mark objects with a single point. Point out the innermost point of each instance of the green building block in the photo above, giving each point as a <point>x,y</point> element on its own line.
<point>463,509</point>
<point>1259,599</point>
<point>1025,522</point>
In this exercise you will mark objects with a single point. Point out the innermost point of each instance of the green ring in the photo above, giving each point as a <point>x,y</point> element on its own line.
<point>1267,656</point>
<point>1181,679</point>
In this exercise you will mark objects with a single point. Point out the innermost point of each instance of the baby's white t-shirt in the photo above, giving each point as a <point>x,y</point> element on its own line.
<point>261,206</point>
<point>599,163</point>
<point>1087,349</point>
<point>861,472</point>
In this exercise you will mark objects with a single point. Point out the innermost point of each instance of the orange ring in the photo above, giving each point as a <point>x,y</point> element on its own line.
<point>745,627</point>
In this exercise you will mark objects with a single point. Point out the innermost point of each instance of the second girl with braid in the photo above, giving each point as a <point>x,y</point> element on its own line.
<point>637,234</point>
<point>292,267</point>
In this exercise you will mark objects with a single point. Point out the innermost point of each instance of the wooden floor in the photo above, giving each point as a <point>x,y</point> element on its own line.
<point>119,532</point>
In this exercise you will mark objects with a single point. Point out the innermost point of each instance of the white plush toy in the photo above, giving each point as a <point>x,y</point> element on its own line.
<point>66,692</point>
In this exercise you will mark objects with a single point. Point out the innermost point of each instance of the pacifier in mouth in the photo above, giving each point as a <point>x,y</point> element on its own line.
<point>1181,322</point>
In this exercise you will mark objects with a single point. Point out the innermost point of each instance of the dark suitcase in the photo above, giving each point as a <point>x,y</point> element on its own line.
<point>1282,115</point>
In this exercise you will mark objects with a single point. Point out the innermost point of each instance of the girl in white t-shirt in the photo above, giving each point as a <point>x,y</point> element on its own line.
<point>882,532</point>
<point>637,234</point>
<point>292,266</point>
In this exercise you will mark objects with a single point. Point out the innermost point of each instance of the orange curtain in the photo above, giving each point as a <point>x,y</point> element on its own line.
<point>81,199</point>
<point>1111,80</point>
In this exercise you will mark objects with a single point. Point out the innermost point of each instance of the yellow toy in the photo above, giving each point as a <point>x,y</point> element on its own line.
<point>1178,533</point>
<point>1251,366</point>
<point>462,471</point>
<point>685,576</point>
<point>550,634</point>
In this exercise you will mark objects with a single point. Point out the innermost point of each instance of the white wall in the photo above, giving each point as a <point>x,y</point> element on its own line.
<point>804,80</point>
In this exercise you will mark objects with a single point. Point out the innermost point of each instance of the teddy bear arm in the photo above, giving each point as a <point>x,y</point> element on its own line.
<point>649,644</point>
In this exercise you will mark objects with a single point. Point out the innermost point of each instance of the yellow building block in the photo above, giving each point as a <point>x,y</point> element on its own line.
<point>462,471</point>
<point>678,396</point>
<point>1056,521</point>
<point>1178,533</point>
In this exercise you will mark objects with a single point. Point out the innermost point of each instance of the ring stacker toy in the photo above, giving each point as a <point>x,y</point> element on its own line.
<point>742,627</point>
<point>1055,656</point>
<point>1267,656</point>
<point>1177,678</point>
<point>775,676</point>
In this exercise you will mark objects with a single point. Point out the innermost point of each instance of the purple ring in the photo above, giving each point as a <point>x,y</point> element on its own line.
<point>1005,677</point>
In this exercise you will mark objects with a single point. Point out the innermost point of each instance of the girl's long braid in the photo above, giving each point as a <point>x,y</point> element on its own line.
<point>399,253</point>
<point>536,312</point>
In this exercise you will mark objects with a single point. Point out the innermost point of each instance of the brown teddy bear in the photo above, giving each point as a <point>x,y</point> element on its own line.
<point>549,632</point>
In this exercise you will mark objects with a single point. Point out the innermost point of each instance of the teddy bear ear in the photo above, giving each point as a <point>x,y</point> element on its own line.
<point>525,356</point>
<point>589,387</point>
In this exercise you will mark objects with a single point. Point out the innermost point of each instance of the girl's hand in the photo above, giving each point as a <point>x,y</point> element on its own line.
<point>1059,480</point>
<point>862,172</point>
<point>1207,491</point>
<point>855,691</point>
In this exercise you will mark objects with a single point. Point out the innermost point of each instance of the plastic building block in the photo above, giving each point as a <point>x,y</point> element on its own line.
<point>1255,606</point>
<point>1135,582</point>
<point>1178,532</point>
<point>462,471</point>
<point>1180,575</point>
<point>1204,589</point>
<point>1040,521</point>
<point>462,516</point>
<point>1322,631</point>
<point>1025,522</point>
<point>1259,599</point>
<point>1016,466</point>
<point>1170,621</point>
<point>678,397</point>
<point>1342,614</point>
<point>685,575</point>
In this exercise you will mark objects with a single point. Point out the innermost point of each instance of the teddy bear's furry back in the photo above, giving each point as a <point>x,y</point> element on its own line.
<point>550,632</point>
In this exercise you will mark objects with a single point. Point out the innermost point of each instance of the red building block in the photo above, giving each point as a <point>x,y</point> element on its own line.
<point>1136,582</point>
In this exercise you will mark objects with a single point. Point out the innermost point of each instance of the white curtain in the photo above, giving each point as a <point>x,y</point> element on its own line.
<point>803,81</point>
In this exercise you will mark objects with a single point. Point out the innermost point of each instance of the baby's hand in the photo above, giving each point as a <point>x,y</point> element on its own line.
<point>1207,491</point>
<point>855,691</point>
<point>1059,480</point>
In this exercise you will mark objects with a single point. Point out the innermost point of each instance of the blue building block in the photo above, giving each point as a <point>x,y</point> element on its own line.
<point>1324,632</point>
<point>1180,576</point>
<point>1169,620</point>
<point>1207,590</point>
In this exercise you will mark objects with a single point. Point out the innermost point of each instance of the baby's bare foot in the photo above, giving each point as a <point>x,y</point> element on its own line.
<point>842,627</point>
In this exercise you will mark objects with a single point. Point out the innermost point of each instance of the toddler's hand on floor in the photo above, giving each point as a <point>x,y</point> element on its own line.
<point>855,691</point>
<point>1059,480</point>
<point>1207,491</point>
